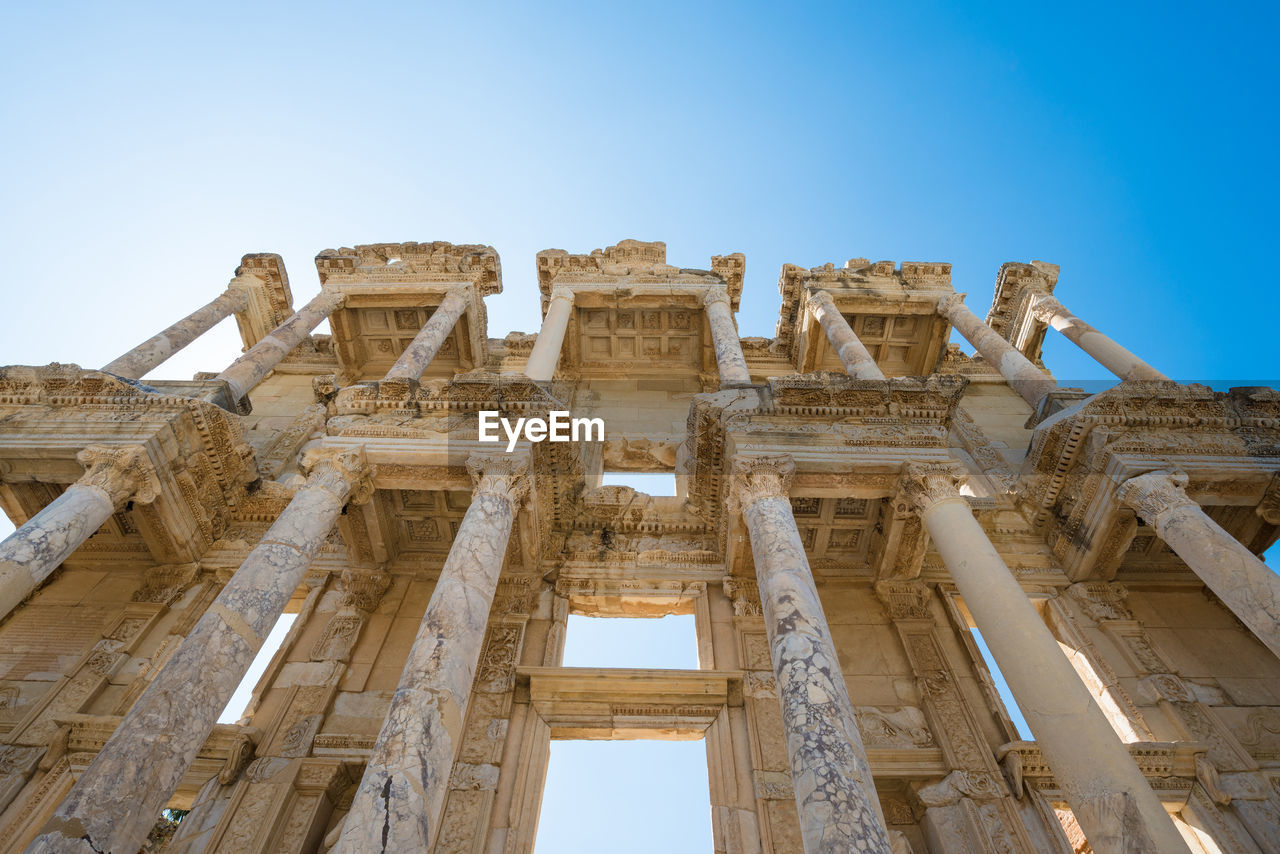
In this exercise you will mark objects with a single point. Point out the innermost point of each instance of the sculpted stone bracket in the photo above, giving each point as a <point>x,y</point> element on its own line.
<point>262,279</point>
<point>1228,443</point>
<point>882,291</point>
<point>224,754</point>
<point>197,461</point>
<point>1012,314</point>
<point>1170,767</point>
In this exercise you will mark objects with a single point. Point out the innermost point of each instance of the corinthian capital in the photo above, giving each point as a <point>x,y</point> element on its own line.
<point>561,292</point>
<point>924,485</point>
<point>757,477</point>
<point>950,303</point>
<point>1045,308</point>
<point>124,473</point>
<point>716,293</point>
<point>342,471</point>
<point>819,299</point>
<point>1155,493</point>
<point>503,475</point>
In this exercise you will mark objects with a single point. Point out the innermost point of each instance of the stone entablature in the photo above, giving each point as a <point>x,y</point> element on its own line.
<point>836,532</point>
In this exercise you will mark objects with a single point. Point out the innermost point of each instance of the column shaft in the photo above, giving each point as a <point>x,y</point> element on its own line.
<point>545,355</point>
<point>1235,575</point>
<point>1112,801</point>
<point>835,794</point>
<point>853,354</point>
<point>402,793</point>
<point>151,353</point>
<point>115,803</point>
<point>1105,350</point>
<point>724,339</point>
<point>30,554</point>
<point>248,370</point>
<point>415,358</point>
<point>1026,379</point>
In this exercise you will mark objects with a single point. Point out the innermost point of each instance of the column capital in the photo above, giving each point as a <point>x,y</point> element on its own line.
<point>950,302</point>
<point>123,472</point>
<point>1154,493</point>
<point>927,484</point>
<point>1269,506</point>
<point>561,292</point>
<point>716,293</point>
<point>502,475</point>
<point>819,298</point>
<point>342,471</point>
<point>757,477</point>
<point>1045,308</point>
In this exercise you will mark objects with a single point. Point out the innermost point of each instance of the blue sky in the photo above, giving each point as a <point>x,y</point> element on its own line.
<point>147,147</point>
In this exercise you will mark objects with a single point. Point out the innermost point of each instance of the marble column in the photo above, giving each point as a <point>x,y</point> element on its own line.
<point>1025,378</point>
<point>724,339</point>
<point>405,780</point>
<point>113,476</point>
<point>115,802</point>
<point>151,353</point>
<point>1235,575</point>
<point>545,355</point>
<point>256,362</point>
<point>835,794</point>
<point>857,361</point>
<point>1106,351</point>
<point>415,358</point>
<point>1111,799</point>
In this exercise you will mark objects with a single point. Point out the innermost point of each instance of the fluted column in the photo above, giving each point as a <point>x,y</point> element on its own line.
<point>1235,575</point>
<point>1106,351</point>
<point>115,803</point>
<point>853,354</point>
<point>839,810</point>
<point>256,362</point>
<point>1026,379</point>
<point>151,353</point>
<point>545,354</point>
<point>724,339</point>
<point>1110,797</point>
<point>415,358</point>
<point>403,789</point>
<point>113,476</point>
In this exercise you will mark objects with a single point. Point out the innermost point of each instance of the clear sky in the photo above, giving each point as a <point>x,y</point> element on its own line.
<point>146,147</point>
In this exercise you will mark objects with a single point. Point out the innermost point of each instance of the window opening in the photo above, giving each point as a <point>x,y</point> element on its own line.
<point>641,796</point>
<point>656,484</point>
<point>1002,688</point>
<point>665,643</point>
<point>239,702</point>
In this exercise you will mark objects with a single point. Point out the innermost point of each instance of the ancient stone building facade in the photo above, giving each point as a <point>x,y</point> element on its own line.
<point>854,495</point>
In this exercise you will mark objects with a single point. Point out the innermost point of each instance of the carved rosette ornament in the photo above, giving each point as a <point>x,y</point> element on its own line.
<point>124,473</point>
<point>500,475</point>
<point>926,484</point>
<point>342,471</point>
<point>757,477</point>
